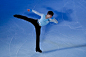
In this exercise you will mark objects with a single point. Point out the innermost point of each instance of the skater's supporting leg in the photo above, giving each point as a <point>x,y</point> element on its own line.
<point>38,39</point>
<point>38,28</point>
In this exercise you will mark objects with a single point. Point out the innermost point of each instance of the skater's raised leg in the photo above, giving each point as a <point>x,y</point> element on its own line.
<point>33,21</point>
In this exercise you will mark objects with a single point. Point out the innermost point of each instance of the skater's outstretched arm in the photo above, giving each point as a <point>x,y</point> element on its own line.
<point>53,20</point>
<point>40,14</point>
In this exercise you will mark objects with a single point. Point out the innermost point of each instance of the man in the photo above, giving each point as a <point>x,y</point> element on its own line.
<point>44,20</point>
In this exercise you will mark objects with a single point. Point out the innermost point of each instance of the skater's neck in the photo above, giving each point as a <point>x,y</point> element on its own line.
<point>46,17</point>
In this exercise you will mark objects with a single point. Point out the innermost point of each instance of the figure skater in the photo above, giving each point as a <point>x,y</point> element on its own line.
<point>38,23</point>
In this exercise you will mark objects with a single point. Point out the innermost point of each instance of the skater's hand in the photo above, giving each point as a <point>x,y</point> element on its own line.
<point>28,9</point>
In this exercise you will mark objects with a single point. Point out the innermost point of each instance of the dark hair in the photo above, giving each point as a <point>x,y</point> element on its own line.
<point>50,13</point>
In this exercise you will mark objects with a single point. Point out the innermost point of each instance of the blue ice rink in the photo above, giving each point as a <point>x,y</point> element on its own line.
<point>65,39</point>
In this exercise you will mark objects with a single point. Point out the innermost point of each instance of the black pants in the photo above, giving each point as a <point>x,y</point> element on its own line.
<point>37,28</point>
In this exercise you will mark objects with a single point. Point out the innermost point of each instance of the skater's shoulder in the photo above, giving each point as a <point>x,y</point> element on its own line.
<point>43,15</point>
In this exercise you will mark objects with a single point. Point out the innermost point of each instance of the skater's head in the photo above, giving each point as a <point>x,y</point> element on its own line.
<point>50,14</point>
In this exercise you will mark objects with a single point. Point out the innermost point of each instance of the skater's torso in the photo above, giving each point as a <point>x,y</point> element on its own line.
<point>43,21</point>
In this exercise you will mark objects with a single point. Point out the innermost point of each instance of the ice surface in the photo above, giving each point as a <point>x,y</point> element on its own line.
<point>65,39</point>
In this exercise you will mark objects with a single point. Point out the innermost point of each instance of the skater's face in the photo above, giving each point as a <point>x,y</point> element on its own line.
<point>49,16</point>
